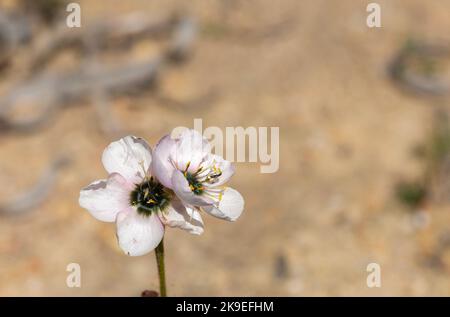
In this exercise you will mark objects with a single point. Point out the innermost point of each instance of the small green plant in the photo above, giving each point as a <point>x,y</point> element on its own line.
<point>412,194</point>
<point>440,141</point>
<point>435,153</point>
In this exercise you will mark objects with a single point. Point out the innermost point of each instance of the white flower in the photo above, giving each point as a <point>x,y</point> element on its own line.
<point>187,166</point>
<point>135,200</point>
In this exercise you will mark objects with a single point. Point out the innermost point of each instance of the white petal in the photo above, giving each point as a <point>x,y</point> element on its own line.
<point>105,198</point>
<point>162,167</point>
<point>182,190</point>
<point>230,207</point>
<point>184,217</point>
<point>138,234</point>
<point>192,149</point>
<point>227,169</point>
<point>129,156</point>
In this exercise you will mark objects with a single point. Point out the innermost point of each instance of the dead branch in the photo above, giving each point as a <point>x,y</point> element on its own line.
<point>35,196</point>
<point>182,39</point>
<point>117,33</point>
<point>422,84</point>
<point>93,80</point>
<point>14,31</point>
<point>53,92</point>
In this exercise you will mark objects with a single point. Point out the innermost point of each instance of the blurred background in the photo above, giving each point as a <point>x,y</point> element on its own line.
<point>364,142</point>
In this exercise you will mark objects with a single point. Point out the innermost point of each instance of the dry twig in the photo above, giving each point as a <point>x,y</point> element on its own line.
<point>94,80</point>
<point>30,199</point>
<point>402,72</point>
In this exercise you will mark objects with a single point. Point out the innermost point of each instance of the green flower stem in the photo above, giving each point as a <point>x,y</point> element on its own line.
<point>159,252</point>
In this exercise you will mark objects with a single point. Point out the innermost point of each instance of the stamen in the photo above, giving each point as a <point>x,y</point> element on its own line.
<point>141,164</point>
<point>203,177</point>
<point>194,184</point>
<point>216,195</point>
<point>187,166</point>
<point>150,196</point>
<point>198,170</point>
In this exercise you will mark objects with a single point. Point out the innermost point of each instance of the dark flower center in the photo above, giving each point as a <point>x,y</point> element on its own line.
<point>150,196</point>
<point>194,184</point>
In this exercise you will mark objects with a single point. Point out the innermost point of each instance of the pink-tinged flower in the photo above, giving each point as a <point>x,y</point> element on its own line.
<point>187,166</point>
<point>139,204</point>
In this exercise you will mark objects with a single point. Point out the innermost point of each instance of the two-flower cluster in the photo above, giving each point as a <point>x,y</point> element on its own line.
<point>147,190</point>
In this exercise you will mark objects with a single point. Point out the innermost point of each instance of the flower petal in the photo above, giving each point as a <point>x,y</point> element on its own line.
<point>182,190</point>
<point>162,167</point>
<point>192,149</point>
<point>227,169</point>
<point>184,217</point>
<point>138,234</point>
<point>129,156</point>
<point>230,207</point>
<point>105,198</point>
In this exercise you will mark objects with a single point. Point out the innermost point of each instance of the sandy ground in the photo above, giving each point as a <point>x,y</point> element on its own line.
<point>346,134</point>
